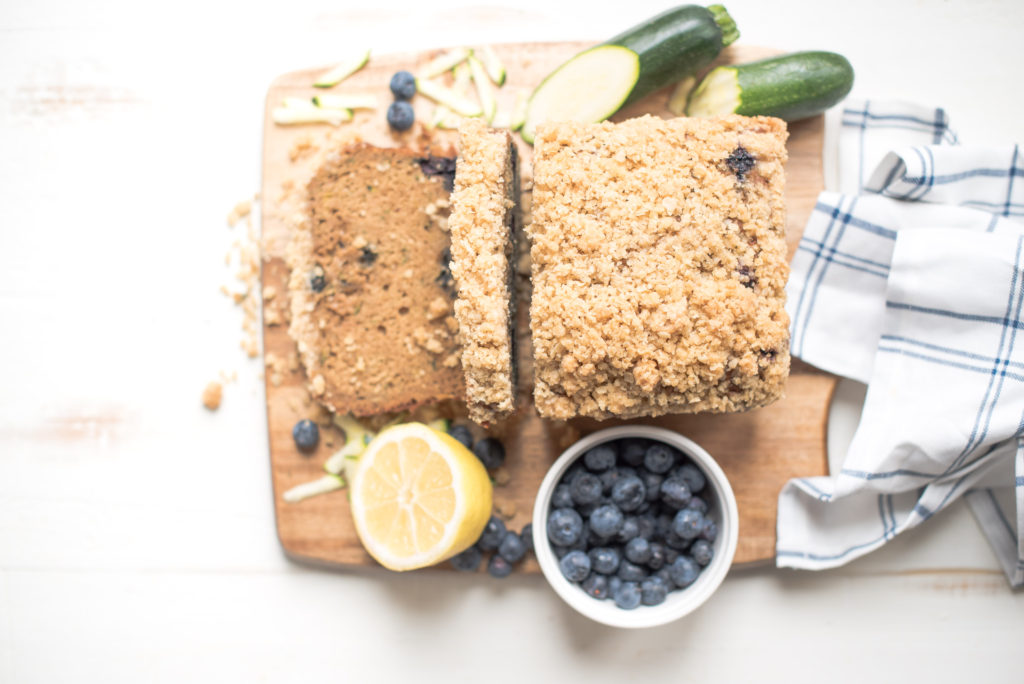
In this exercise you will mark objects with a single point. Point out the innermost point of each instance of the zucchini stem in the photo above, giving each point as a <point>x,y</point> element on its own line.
<point>725,22</point>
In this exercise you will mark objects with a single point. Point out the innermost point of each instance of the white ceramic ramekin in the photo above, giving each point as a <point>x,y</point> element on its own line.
<point>679,602</point>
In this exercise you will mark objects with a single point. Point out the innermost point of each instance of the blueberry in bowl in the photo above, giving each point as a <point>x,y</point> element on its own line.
<point>635,526</point>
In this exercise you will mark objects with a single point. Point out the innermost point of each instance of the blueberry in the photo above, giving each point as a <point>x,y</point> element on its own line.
<point>594,539</point>
<point>630,572</point>
<point>596,585</point>
<point>645,525</point>
<point>499,567</point>
<point>675,493</point>
<point>709,530</point>
<point>494,532</point>
<point>606,520</point>
<point>628,493</point>
<point>674,541</point>
<point>560,551</point>
<point>662,526</point>
<point>600,458</point>
<point>586,510</point>
<point>702,552</point>
<point>740,162</point>
<point>627,596</point>
<point>403,85</point>
<point>659,458</point>
<point>630,529</point>
<point>670,555</point>
<point>632,451</point>
<point>461,434</point>
<point>584,539</point>
<point>527,536</point>
<point>400,115</point>
<point>657,558</point>
<point>564,527</point>
<point>561,497</point>
<point>665,576</point>
<point>652,484</point>
<point>653,591</point>
<point>575,566</point>
<point>317,282</point>
<point>638,550</point>
<point>585,488</point>
<point>692,475</point>
<point>614,582</point>
<point>698,504</point>
<point>604,560</point>
<point>613,475</point>
<point>683,571</point>
<point>468,560</point>
<point>490,452</point>
<point>306,435</point>
<point>512,547</point>
<point>687,523</point>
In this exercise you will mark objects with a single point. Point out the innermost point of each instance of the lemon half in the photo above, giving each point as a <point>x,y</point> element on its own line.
<point>419,497</point>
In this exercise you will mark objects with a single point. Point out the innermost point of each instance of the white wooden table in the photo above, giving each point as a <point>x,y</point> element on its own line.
<point>136,531</point>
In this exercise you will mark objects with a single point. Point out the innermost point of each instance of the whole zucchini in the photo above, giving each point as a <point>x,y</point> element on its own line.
<point>597,82</point>
<point>790,87</point>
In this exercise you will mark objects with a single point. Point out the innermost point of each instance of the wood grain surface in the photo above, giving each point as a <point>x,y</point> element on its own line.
<point>759,450</point>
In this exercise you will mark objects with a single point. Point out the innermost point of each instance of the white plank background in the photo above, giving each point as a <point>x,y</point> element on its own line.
<point>136,531</point>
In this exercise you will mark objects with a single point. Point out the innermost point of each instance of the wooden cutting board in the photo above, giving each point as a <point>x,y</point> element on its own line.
<point>759,450</point>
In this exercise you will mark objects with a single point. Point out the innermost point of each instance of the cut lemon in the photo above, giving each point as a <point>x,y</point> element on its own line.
<point>419,497</point>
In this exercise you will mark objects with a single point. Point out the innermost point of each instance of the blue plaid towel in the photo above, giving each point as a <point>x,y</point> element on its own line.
<point>912,280</point>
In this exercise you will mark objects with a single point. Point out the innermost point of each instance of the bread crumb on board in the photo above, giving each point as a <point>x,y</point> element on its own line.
<point>212,395</point>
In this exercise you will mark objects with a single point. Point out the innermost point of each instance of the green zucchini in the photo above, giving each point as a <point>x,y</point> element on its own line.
<point>790,87</point>
<point>597,82</point>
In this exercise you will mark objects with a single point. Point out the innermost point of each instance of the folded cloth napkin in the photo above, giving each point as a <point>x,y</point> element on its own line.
<point>912,280</point>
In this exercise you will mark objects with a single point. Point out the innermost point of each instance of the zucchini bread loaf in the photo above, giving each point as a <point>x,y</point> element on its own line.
<point>483,222</point>
<point>371,291</point>
<point>659,266</point>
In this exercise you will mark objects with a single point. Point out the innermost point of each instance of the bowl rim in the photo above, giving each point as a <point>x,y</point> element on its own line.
<point>680,603</point>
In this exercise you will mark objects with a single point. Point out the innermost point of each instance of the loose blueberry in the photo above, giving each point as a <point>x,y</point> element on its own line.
<point>585,488</point>
<point>709,530</point>
<point>675,493</point>
<point>400,115</point>
<point>630,572</point>
<point>702,552</point>
<point>638,550</point>
<point>306,435</point>
<point>575,566</point>
<point>631,451</point>
<point>659,458</point>
<point>628,493</point>
<point>606,520</point>
<point>653,591</point>
<point>596,585</point>
<point>683,571</point>
<point>527,536</point>
<point>499,567</point>
<point>693,477</point>
<point>652,484</point>
<point>657,558</point>
<point>687,523</point>
<point>604,560</point>
<point>468,560</point>
<point>627,596</point>
<point>403,85</point>
<point>600,458</point>
<point>564,527</point>
<point>512,548</point>
<point>461,434</point>
<point>562,497</point>
<point>698,504</point>
<point>494,532</point>
<point>490,452</point>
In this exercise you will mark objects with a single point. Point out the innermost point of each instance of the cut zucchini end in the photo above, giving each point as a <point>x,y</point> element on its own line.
<point>569,93</point>
<point>680,95</point>
<point>718,94</point>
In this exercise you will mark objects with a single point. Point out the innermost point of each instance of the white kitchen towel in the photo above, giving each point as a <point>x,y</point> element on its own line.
<point>921,297</point>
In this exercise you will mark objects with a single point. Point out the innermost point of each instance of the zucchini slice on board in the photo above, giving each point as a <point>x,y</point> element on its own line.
<point>790,87</point>
<point>596,83</point>
<point>342,71</point>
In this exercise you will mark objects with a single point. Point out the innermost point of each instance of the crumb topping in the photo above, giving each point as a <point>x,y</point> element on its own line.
<point>659,266</point>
